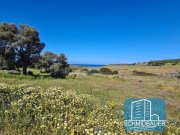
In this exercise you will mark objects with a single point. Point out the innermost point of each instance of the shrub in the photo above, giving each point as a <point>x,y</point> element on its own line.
<point>30,73</point>
<point>115,72</point>
<point>156,63</point>
<point>58,70</point>
<point>140,73</point>
<point>163,62</point>
<point>175,63</point>
<point>93,71</point>
<point>84,70</point>
<point>107,71</point>
<point>72,76</point>
<point>178,76</point>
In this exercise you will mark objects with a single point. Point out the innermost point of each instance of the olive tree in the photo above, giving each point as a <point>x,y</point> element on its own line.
<point>20,45</point>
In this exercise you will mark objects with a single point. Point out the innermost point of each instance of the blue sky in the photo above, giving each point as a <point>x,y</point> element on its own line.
<point>102,31</point>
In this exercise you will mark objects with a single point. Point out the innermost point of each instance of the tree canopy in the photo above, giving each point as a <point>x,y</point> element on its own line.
<point>20,45</point>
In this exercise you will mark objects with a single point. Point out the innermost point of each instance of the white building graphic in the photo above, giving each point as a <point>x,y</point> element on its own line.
<point>141,110</point>
<point>140,117</point>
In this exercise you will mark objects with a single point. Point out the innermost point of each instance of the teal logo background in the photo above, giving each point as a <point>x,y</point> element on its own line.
<point>144,114</point>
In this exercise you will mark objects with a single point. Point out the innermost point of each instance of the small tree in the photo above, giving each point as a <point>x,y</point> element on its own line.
<point>60,68</point>
<point>46,60</point>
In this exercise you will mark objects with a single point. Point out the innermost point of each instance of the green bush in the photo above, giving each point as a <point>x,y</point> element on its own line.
<point>107,71</point>
<point>163,62</point>
<point>156,63</point>
<point>175,63</point>
<point>178,76</point>
<point>93,71</point>
<point>72,76</point>
<point>30,73</point>
<point>115,72</point>
<point>59,70</point>
<point>141,73</point>
<point>84,70</point>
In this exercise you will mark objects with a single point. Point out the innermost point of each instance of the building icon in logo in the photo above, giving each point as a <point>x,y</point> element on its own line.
<point>141,110</point>
<point>145,114</point>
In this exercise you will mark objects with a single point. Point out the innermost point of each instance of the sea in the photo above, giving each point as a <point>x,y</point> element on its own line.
<point>88,65</point>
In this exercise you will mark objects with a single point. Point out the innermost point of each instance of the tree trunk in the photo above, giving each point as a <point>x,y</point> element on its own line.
<point>24,70</point>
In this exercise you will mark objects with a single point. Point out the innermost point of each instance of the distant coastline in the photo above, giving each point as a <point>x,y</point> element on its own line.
<point>164,61</point>
<point>88,65</point>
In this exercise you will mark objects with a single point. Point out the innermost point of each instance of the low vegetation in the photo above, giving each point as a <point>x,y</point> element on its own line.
<point>93,71</point>
<point>104,71</point>
<point>34,110</point>
<point>141,73</point>
<point>107,71</point>
<point>163,62</point>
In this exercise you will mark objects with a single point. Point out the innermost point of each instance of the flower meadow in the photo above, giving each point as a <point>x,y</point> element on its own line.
<point>57,111</point>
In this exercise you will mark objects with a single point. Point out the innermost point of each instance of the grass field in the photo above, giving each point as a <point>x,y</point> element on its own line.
<point>115,88</point>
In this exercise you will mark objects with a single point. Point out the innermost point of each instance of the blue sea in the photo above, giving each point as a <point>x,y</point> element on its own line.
<point>88,65</point>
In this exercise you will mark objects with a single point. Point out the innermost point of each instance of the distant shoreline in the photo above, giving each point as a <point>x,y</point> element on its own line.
<point>88,65</point>
<point>127,64</point>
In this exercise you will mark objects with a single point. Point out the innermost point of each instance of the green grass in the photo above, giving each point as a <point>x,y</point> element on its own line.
<point>114,88</point>
<point>108,88</point>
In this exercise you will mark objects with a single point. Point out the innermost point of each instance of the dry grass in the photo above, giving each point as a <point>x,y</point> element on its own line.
<point>118,88</point>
